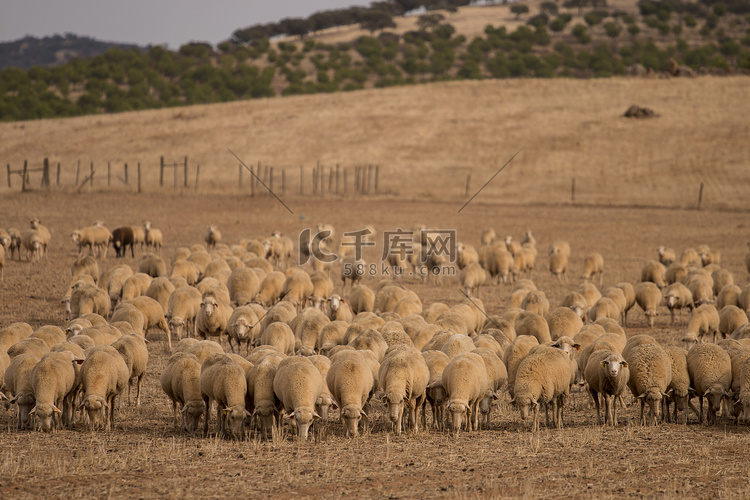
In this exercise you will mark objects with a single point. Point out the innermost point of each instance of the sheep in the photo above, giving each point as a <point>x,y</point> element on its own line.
<point>710,369</point>
<point>33,244</point>
<point>607,374</point>
<point>243,326</point>
<point>702,289</point>
<point>488,236</point>
<point>271,289</point>
<point>558,266</point>
<point>559,246</point>
<point>708,256</point>
<point>280,336</point>
<point>307,332</point>
<point>153,265</point>
<point>514,355</point>
<point>182,310</point>
<point>297,288</point>
<point>403,376</point>
<point>689,257</point>
<point>15,242</point>
<point>17,382</point>
<point>435,393</point>
<point>577,303</point>
<point>466,383</point>
<point>654,271</point>
<point>260,399</point>
<point>212,318</point>
<point>325,401</point>
<point>86,298</point>
<point>497,375</point>
<point>472,276</point>
<point>650,374</point>
<point>678,391</point>
<point>542,378</point>
<point>457,344</point>
<point>224,381</point>
<point>104,375</point>
<point>322,289</point>
<point>536,302</point>
<point>133,350</point>
<point>50,334</point>
<point>648,297</point>
<point>203,349</point>
<point>361,299</point>
<point>729,295</point>
<point>44,234</point>
<point>499,263</point>
<point>666,255</point>
<point>731,318</point>
<point>160,290</point>
<point>99,335</point>
<point>675,272</point>
<point>604,308</point>
<point>95,237</point>
<point>535,325</point>
<point>53,382</point>
<point>298,384</point>
<point>629,292</point>
<point>180,381</point>
<point>590,293</point>
<point>465,255</point>
<point>153,237</point>
<point>135,286</point>
<point>351,383</point>
<point>678,296</point>
<point>153,315</point>
<point>593,265</point>
<point>212,236</point>
<point>187,270</point>
<point>85,266</point>
<point>122,238</point>
<point>704,320</point>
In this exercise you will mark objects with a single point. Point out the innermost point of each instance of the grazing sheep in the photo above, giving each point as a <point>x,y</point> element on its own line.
<point>577,303</point>
<point>339,309</point>
<point>243,285</point>
<point>604,308</point>
<point>731,318</point>
<point>160,290</point>
<point>100,335</point>
<point>308,330</point>
<point>280,336</point>
<point>558,266</point>
<point>297,288</point>
<point>607,374</point>
<point>403,377</point>
<point>153,238</point>
<point>536,302</point>
<point>104,375</point>
<point>122,238</point>
<point>86,298</point>
<point>133,350</point>
<point>243,326</point>
<point>212,318</point>
<point>271,289</point>
<point>95,237</point>
<point>472,276</point>
<point>678,391</point>
<point>666,255</point>
<point>689,257</point>
<point>362,299</point>
<point>593,265</point>
<point>710,369</point>
<point>182,310</point>
<point>543,378</point>
<point>703,321</point>
<point>563,321</point>
<point>535,325</point>
<point>675,272</point>
<point>648,298</point>
<point>50,334</point>
<point>298,384</point>
<point>701,286</point>
<point>678,296</point>
<point>654,271</point>
<point>497,375</point>
<point>708,256</point>
<point>435,393</point>
<point>153,315</point>
<point>650,374</point>
<point>153,265</point>
<point>33,244</point>
<point>350,382</point>
<point>135,286</point>
<point>514,354</point>
<point>17,382</point>
<point>54,384</point>
<point>85,266</point>
<point>187,270</point>
<point>224,381</point>
<point>352,269</point>
<point>466,383</point>
<point>260,399</point>
<point>728,296</point>
<point>499,263</point>
<point>325,401</point>
<point>457,344</point>
<point>180,380</point>
<point>560,246</point>
<point>322,289</point>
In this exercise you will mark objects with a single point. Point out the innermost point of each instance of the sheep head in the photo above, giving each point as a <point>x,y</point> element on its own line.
<point>303,418</point>
<point>45,416</point>
<point>234,420</point>
<point>350,417</point>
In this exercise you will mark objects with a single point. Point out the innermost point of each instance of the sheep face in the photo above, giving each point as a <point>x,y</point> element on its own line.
<point>689,341</point>
<point>265,415</point>
<point>671,301</point>
<point>24,402</point>
<point>96,408</point>
<point>395,404</point>
<point>653,398</point>
<point>525,405</point>
<point>191,416</point>
<point>457,412</point>
<point>303,418</point>
<point>651,315</point>
<point>613,365</point>
<point>241,329</point>
<point>714,394</point>
<point>178,327</point>
<point>322,405</point>
<point>350,417</point>
<point>45,416</point>
<point>208,305</point>
<point>334,303</point>
<point>234,421</point>
<point>486,403</point>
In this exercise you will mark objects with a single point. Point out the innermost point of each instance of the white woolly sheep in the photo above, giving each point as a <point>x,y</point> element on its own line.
<point>153,315</point>
<point>280,336</point>
<point>543,378</point>
<point>607,374</point>
<point>558,266</point>
<point>351,383</point>
<point>499,263</point>
<point>731,318</point>
<point>514,354</point>
<point>701,287</point>
<point>593,264</point>
<point>654,271</point>
<point>96,238</point>
<point>497,375</point>
<point>689,257</point>
<point>54,384</point>
<point>650,374</point>
<point>297,288</point>
<point>325,401</point>
<point>135,286</point>
<point>729,296</point>
<point>535,325</point>
<point>678,296</point>
<point>104,375</point>
<point>403,377</point>
<point>298,384</point>
<point>457,344</point>
<point>708,256</point>
<point>472,276</point>
<point>536,302</point>
<point>100,335</point>
<point>212,236</point>
<point>243,286</point>
<point>212,318</point>
<point>33,245</point>
<point>243,326</point>
<point>666,255</point>
<point>559,246</point>
<point>322,289</point>
<point>362,299</point>
<point>182,309</point>
<point>224,381</point>
<point>629,291</point>
<point>466,254</point>
<point>435,393</point>
<point>604,308</point>
<point>577,303</point>
<point>180,380</point>
<point>160,290</point>
<point>648,298</point>
<point>710,369</point>
<point>675,272</point>
<point>50,334</point>
<point>85,266</point>
<point>271,289</point>
<point>133,350</point>
<point>678,391</point>
<point>703,321</point>
<point>17,382</point>
<point>308,330</point>
<point>85,299</point>
<point>153,237</point>
<point>260,399</point>
<point>466,383</point>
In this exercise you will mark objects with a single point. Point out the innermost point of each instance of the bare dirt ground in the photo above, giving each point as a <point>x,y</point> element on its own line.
<point>144,457</point>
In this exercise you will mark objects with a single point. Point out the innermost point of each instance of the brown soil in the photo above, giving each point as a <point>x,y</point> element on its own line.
<point>144,457</point>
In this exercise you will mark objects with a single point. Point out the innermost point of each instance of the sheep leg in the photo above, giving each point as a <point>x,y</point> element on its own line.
<point>138,390</point>
<point>643,419</point>
<point>535,424</point>
<point>207,402</point>
<point>595,397</point>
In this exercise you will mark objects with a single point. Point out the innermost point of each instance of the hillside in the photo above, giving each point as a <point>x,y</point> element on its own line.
<point>473,43</point>
<point>53,50</point>
<point>427,139</point>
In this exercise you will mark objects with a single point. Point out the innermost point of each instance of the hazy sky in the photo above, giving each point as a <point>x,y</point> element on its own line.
<point>155,22</point>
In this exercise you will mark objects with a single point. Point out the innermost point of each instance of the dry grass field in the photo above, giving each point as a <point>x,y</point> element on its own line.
<point>637,184</point>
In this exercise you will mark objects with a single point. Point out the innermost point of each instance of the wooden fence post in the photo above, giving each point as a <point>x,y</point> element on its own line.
<point>468,185</point>
<point>185,171</point>
<point>322,179</point>
<point>315,180</point>
<point>270,179</point>
<point>92,175</point>
<point>700,196</point>
<point>330,179</point>
<point>240,176</point>
<point>161,171</point>
<point>301,180</point>
<point>573,190</point>
<point>58,174</point>
<point>23,177</point>
<point>337,178</point>
<point>377,175</point>
<point>345,170</point>
<point>45,174</point>
<point>8,167</point>
<point>78,171</point>
<point>174,168</point>
<point>126,173</point>
<point>369,178</point>
<point>109,173</point>
<point>139,177</point>
<point>283,181</point>
<point>252,182</point>
<point>197,175</point>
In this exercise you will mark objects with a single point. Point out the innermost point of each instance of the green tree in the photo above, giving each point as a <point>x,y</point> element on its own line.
<point>518,9</point>
<point>612,28</point>
<point>374,20</point>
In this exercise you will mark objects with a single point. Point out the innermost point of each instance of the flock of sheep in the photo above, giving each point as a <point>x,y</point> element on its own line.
<point>309,350</point>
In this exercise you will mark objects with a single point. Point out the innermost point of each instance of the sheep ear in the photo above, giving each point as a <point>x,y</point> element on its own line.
<point>624,363</point>
<point>13,400</point>
<point>290,416</point>
<point>642,396</point>
<point>33,411</point>
<point>708,391</point>
<point>364,415</point>
<point>316,416</point>
<point>513,401</point>
<point>226,411</point>
<point>334,406</point>
<point>384,399</point>
<point>468,410</point>
<point>408,402</point>
<point>577,347</point>
<point>604,364</point>
<point>56,409</point>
